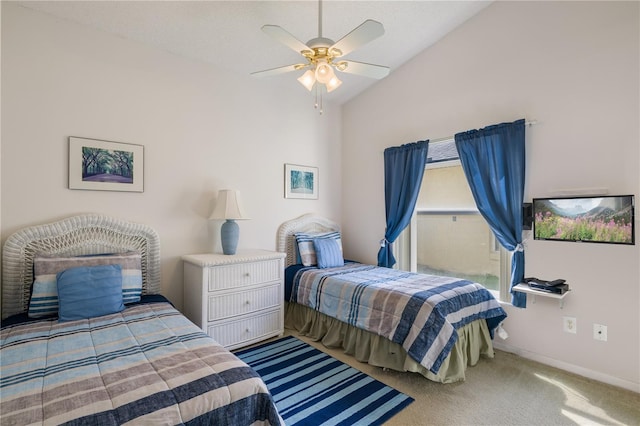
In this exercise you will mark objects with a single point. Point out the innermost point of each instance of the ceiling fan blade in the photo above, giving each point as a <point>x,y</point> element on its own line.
<point>285,37</point>
<point>361,68</point>
<point>279,70</point>
<point>367,31</point>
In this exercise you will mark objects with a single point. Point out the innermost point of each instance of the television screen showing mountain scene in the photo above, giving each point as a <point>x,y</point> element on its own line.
<point>608,219</point>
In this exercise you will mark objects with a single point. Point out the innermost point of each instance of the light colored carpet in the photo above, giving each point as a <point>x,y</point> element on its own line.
<point>506,390</point>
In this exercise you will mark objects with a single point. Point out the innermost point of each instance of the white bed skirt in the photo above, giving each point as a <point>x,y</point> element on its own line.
<point>474,340</point>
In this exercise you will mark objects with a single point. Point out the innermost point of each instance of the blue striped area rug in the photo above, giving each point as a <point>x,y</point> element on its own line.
<point>312,388</point>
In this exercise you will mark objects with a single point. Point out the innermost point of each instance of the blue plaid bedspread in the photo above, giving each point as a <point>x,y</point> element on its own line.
<point>418,311</point>
<point>145,365</point>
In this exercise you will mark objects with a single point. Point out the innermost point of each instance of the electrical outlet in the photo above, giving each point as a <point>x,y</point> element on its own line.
<point>600,332</point>
<point>569,325</point>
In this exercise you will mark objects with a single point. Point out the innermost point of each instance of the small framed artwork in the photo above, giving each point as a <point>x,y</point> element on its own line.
<point>300,182</point>
<point>105,166</point>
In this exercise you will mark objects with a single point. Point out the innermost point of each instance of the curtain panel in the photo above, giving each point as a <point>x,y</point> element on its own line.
<point>493,160</point>
<point>403,171</point>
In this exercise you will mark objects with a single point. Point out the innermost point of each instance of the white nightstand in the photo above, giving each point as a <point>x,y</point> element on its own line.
<point>236,299</point>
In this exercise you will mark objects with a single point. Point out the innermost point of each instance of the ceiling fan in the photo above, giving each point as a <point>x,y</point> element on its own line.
<point>323,55</point>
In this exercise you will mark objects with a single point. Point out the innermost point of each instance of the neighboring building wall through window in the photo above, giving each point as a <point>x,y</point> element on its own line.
<point>448,236</point>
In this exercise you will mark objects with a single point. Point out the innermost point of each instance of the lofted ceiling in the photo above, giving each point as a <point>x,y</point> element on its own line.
<point>227,34</point>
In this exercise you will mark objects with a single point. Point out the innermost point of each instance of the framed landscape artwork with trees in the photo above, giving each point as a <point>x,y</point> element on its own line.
<point>300,182</point>
<point>105,166</point>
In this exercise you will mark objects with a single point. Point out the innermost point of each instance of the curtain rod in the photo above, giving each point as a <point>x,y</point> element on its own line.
<point>526,123</point>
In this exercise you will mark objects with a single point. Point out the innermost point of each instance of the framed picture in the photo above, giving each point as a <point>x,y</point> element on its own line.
<point>300,182</point>
<point>105,166</point>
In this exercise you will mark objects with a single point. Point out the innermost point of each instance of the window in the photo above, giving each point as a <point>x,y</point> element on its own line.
<point>447,235</point>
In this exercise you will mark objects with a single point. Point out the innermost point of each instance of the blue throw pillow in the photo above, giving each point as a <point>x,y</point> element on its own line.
<point>328,253</point>
<point>89,291</point>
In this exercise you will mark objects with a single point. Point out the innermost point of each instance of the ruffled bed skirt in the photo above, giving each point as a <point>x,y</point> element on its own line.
<point>474,340</point>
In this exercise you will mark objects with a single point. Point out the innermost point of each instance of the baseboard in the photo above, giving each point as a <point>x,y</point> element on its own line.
<point>585,372</point>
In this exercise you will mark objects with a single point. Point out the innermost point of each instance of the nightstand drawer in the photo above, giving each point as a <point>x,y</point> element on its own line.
<point>235,333</point>
<point>255,299</point>
<point>230,276</point>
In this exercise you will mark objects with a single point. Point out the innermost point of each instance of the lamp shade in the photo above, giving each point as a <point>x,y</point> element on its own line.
<point>324,72</point>
<point>308,79</point>
<point>333,84</point>
<point>228,206</point>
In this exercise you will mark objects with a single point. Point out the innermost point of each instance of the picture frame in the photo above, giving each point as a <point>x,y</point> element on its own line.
<point>300,182</point>
<point>101,165</point>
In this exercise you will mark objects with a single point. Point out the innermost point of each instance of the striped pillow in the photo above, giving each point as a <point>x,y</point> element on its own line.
<point>328,253</point>
<point>306,249</point>
<point>44,297</point>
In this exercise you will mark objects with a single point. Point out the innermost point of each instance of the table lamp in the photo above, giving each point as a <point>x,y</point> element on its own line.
<point>229,208</point>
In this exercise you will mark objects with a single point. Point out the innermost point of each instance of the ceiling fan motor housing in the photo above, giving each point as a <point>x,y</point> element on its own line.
<point>320,42</point>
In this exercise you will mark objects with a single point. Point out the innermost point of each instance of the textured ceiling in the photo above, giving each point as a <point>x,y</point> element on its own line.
<point>227,33</point>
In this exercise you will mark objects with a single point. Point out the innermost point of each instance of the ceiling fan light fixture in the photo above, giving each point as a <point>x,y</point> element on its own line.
<point>324,72</point>
<point>333,84</point>
<point>322,55</point>
<point>308,79</point>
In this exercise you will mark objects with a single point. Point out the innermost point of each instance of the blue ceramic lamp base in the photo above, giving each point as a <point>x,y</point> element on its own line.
<point>229,233</point>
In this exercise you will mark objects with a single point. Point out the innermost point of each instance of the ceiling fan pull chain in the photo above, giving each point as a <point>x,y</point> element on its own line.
<point>317,105</point>
<point>318,101</point>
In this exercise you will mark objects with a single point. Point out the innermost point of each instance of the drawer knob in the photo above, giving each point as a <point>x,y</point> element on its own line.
<point>247,330</point>
<point>246,274</point>
<point>247,302</point>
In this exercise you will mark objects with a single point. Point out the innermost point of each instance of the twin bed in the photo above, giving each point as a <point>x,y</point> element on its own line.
<point>431,325</point>
<point>110,363</point>
<point>94,355</point>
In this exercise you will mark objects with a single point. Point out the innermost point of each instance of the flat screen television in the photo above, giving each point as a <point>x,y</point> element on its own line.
<point>598,219</point>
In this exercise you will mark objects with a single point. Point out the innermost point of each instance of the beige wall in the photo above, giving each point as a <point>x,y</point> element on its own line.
<point>461,243</point>
<point>445,187</point>
<point>457,243</point>
<point>202,128</point>
<point>573,67</point>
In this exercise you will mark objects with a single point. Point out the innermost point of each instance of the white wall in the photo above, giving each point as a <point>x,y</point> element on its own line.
<point>573,67</point>
<point>203,129</point>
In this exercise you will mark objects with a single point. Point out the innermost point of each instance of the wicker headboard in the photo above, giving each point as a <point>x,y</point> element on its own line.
<point>74,236</point>
<point>286,240</point>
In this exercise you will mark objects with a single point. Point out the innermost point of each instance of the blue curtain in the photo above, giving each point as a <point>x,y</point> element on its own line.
<point>493,160</point>
<point>403,170</point>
